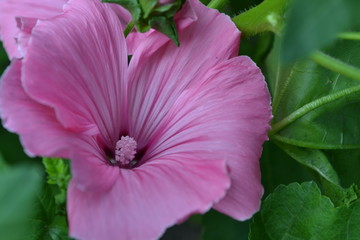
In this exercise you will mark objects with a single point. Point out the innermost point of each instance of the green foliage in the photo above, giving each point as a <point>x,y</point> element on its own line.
<point>58,171</point>
<point>45,210</point>
<point>312,24</point>
<point>301,212</point>
<point>11,148</point>
<point>18,189</point>
<point>166,26</point>
<point>267,16</point>
<point>27,206</point>
<point>58,229</point>
<point>4,61</point>
<point>219,226</point>
<point>313,159</point>
<point>347,165</point>
<point>45,223</point>
<point>277,167</point>
<point>217,4</point>
<point>148,14</point>
<point>3,164</point>
<point>313,106</point>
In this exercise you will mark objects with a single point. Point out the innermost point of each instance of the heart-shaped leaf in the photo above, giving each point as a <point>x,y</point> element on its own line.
<point>301,212</point>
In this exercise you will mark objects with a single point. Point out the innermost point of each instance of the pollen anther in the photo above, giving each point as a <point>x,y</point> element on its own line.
<point>125,150</point>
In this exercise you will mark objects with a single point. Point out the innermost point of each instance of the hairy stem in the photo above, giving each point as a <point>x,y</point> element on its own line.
<point>336,65</point>
<point>310,107</point>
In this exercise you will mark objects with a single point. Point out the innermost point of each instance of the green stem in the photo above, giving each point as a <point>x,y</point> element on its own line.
<point>128,28</point>
<point>310,107</point>
<point>306,144</point>
<point>217,4</point>
<point>336,65</point>
<point>349,35</point>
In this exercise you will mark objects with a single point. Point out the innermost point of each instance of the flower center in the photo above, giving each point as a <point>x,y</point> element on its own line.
<point>125,151</point>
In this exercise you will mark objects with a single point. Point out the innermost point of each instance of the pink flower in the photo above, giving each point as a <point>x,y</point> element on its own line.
<point>14,14</point>
<point>173,132</point>
<point>10,10</point>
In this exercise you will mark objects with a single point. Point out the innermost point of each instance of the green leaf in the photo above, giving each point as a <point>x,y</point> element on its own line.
<point>217,4</point>
<point>147,6</point>
<point>3,164</point>
<point>58,229</point>
<point>314,159</point>
<point>219,226</point>
<point>166,26</point>
<point>317,161</point>
<point>10,146</point>
<point>346,225</point>
<point>313,24</point>
<point>4,60</point>
<point>314,107</point>
<point>148,14</point>
<point>279,168</point>
<point>267,16</point>
<point>136,11</point>
<point>58,171</point>
<point>257,229</point>
<point>301,212</point>
<point>18,187</point>
<point>27,206</point>
<point>132,5</point>
<point>346,164</point>
<point>354,6</point>
<point>45,223</point>
<point>45,210</point>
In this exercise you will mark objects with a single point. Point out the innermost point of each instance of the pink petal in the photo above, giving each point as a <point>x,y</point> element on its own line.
<point>155,87</point>
<point>253,115</point>
<point>146,200</point>
<point>36,124</point>
<point>42,135</point>
<point>224,115</point>
<point>10,9</point>
<point>77,64</point>
<point>25,26</point>
<point>90,167</point>
<point>123,14</point>
<point>152,37</point>
<point>252,124</point>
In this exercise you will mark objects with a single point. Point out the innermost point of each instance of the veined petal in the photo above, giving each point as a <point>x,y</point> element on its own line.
<point>39,130</point>
<point>123,14</point>
<point>252,124</point>
<point>225,115</point>
<point>77,64</point>
<point>155,87</point>
<point>90,167</point>
<point>152,37</point>
<point>25,26</point>
<point>145,201</point>
<point>10,9</point>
